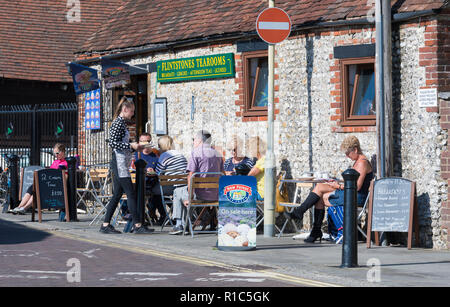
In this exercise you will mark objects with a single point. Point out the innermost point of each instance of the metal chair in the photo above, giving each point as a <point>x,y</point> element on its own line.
<point>100,179</point>
<point>361,212</point>
<point>174,181</point>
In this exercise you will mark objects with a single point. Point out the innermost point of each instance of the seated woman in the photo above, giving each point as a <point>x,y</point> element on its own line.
<point>238,161</point>
<point>170,162</point>
<point>59,150</point>
<point>257,149</point>
<point>332,193</point>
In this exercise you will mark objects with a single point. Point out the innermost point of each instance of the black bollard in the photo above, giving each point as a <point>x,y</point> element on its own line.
<point>13,166</point>
<point>140,189</point>
<point>72,188</point>
<point>349,246</point>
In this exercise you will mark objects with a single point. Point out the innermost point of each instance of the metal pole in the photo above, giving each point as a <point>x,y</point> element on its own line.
<point>269,167</point>
<point>387,87</point>
<point>140,189</point>
<point>379,74</point>
<point>13,165</point>
<point>72,188</point>
<point>349,246</point>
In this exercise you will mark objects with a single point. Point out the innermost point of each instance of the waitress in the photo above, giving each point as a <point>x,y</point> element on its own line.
<point>121,158</point>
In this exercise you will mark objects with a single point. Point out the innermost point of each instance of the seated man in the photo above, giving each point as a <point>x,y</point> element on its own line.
<point>149,155</point>
<point>203,158</point>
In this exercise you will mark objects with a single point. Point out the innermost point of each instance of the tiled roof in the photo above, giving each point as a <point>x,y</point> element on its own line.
<point>36,39</point>
<point>144,22</point>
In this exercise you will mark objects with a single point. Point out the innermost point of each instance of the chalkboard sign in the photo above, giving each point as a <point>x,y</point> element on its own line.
<point>392,207</point>
<point>27,177</point>
<point>50,191</point>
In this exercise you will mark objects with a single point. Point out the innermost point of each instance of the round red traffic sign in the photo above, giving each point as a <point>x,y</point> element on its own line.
<point>273,25</point>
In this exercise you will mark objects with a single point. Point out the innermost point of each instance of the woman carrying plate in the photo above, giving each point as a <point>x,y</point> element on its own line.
<point>120,163</point>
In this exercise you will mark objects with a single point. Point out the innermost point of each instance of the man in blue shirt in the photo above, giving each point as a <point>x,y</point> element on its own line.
<point>148,154</point>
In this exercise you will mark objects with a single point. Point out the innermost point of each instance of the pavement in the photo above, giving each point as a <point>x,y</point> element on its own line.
<point>284,258</point>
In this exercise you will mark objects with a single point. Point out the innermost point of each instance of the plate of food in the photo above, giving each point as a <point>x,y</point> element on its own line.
<point>306,178</point>
<point>146,144</point>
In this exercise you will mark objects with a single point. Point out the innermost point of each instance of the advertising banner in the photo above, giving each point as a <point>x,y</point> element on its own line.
<point>115,74</point>
<point>237,213</point>
<point>92,110</point>
<point>85,79</point>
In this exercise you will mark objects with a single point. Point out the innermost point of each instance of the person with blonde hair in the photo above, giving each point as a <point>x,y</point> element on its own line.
<point>170,162</point>
<point>59,150</point>
<point>332,193</point>
<point>257,149</point>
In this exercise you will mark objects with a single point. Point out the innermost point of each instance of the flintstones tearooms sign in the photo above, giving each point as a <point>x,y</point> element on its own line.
<point>196,68</point>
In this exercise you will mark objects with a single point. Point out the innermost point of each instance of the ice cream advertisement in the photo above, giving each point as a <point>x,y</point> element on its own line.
<point>92,110</point>
<point>85,79</point>
<point>237,213</point>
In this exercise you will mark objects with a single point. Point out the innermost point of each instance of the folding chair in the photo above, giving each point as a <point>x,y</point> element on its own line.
<point>260,203</point>
<point>170,180</point>
<point>291,206</point>
<point>200,183</point>
<point>361,212</point>
<point>101,178</point>
<point>92,191</point>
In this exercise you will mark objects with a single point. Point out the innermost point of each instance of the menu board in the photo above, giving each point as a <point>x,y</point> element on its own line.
<point>27,179</point>
<point>92,110</point>
<point>50,190</point>
<point>237,213</point>
<point>392,207</point>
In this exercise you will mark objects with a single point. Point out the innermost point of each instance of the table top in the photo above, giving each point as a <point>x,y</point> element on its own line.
<point>309,180</point>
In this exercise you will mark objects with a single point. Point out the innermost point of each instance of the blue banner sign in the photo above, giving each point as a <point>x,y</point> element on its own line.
<point>92,110</point>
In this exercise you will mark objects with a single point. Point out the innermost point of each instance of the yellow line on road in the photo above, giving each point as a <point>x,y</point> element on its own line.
<point>198,261</point>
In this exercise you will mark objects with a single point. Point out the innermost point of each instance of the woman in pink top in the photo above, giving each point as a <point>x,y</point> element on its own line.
<point>59,151</point>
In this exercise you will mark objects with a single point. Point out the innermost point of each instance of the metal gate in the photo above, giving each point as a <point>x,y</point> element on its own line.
<point>31,131</point>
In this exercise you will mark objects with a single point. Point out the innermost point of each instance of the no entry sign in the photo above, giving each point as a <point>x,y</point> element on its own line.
<point>273,25</point>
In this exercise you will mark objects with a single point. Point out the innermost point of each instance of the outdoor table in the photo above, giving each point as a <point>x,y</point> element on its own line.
<point>307,182</point>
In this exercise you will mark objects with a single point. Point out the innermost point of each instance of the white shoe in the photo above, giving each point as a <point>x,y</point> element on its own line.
<point>21,211</point>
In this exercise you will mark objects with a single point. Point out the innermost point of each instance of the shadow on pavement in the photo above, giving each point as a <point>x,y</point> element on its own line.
<point>13,233</point>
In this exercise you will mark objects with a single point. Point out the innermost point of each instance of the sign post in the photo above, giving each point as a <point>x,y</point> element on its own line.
<point>273,26</point>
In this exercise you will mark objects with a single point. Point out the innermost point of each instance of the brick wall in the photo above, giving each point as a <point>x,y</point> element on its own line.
<point>435,56</point>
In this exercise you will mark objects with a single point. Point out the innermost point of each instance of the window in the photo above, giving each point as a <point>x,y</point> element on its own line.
<point>358,92</point>
<point>255,73</point>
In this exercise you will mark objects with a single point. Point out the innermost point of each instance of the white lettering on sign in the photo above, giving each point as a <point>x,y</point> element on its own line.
<point>269,25</point>
<point>427,97</point>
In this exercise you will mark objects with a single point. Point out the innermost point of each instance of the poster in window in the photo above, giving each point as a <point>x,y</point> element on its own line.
<point>159,116</point>
<point>92,110</point>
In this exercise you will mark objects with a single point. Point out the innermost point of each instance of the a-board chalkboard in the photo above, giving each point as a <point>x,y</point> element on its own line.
<point>50,191</point>
<point>27,177</point>
<point>392,206</point>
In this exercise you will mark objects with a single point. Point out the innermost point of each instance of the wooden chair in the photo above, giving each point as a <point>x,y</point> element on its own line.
<point>197,182</point>
<point>169,180</point>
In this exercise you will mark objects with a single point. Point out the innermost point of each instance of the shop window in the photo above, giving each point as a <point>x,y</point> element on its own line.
<point>358,92</point>
<point>255,73</point>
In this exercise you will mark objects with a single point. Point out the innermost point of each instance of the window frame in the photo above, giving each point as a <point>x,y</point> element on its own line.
<point>249,109</point>
<point>347,119</point>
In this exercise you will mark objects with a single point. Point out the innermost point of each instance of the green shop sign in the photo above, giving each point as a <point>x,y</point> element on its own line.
<point>196,68</point>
